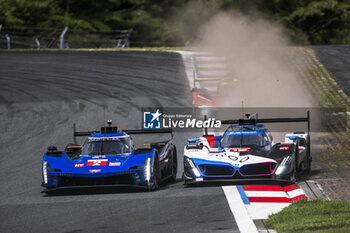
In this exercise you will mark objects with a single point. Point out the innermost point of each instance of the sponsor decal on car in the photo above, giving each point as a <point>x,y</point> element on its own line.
<point>79,165</point>
<point>284,148</point>
<point>99,156</point>
<point>240,150</point>
<point>114,163</point>
<point>94,170</point>
<point>193,150</point>
<point>96,162</point>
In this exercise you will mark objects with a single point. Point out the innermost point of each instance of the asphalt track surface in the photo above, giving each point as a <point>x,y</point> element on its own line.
<point>336,60</point>
<point>44,93</point>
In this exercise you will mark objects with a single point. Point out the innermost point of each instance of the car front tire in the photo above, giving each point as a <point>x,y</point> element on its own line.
<point>154,183</point>
<point>174,165</point>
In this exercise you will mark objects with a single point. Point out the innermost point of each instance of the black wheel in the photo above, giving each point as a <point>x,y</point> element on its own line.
<point>174,165</point>
<point>154,182</point>
<point>293,176</point>
<point>308,163</point>
<point>309,158</point>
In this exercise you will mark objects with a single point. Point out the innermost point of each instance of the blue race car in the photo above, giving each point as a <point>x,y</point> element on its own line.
<point>108,158</point>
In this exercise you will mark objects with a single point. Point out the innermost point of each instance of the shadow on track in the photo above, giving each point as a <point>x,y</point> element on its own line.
<point>308,176</point>
<point>210,183</point>
<point>73,191</point>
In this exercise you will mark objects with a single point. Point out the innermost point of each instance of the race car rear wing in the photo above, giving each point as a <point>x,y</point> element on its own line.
<point>255,120</point>
<point>113,129</point>
<point>147,131</point>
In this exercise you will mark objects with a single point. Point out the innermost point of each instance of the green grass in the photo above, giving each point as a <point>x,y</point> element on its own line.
<point>312,216</point>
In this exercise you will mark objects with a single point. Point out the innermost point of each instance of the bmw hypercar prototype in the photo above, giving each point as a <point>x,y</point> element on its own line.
<point>107,158</point>
<point>247,151</point>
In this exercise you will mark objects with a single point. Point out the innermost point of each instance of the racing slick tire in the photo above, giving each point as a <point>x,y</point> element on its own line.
<point>174,165</point>
<point>293,176</point>
<point>308,158</point>
<point>154,184</point>
<point>308,164</point>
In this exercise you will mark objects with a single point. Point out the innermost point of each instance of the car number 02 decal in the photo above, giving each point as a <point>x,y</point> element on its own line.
<point>97,162</point>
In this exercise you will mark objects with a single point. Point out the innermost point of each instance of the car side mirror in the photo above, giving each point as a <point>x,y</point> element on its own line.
<point>52,148</point>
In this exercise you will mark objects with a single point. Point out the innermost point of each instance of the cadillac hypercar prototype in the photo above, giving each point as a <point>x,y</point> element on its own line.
<point>107,158</point>
<point>247,151</point>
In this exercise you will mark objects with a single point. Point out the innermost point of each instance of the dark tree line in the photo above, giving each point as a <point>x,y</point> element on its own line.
<point>173,22</point>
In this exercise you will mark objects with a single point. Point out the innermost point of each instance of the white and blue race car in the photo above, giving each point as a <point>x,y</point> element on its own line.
<point>247,151</point>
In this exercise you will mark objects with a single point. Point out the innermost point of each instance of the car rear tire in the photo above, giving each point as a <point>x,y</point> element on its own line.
<point>309,158</point>
<point>308,165</point>
<point>174,165</point>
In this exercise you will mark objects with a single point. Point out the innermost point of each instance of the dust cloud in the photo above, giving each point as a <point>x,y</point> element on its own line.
<point>256,56</point>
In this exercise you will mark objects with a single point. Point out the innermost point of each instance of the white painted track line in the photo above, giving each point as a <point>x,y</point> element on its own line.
<point>263,210</point>
<point>244,222</point>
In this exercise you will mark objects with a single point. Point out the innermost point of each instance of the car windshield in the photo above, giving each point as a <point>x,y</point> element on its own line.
<point>242,139</point>
<point>107,147</point>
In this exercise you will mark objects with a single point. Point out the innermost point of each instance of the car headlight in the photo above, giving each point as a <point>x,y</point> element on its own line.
<point>193,167</point>
<point>45,166</point>
<point>147,170</point>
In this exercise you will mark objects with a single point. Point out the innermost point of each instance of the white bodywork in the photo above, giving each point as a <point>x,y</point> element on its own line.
<point>223,156</point>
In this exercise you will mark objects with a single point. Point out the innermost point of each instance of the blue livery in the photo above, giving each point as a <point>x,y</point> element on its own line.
<point>109,158</point>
